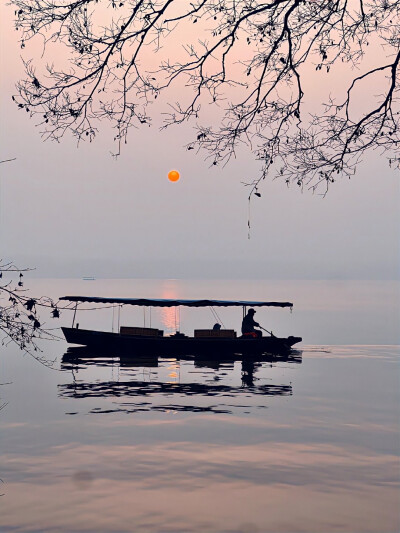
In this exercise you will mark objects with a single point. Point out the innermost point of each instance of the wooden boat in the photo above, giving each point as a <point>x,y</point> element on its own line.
<point>136,340</point>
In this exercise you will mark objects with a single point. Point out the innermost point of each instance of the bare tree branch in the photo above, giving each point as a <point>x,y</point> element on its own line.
<point>248,59</point>
<point>19,318</point>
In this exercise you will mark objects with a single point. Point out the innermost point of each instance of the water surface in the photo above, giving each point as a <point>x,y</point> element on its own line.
<point>306,443</point>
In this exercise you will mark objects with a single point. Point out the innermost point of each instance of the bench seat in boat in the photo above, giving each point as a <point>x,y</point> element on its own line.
<point>215,333</point>
<point>142,332</point>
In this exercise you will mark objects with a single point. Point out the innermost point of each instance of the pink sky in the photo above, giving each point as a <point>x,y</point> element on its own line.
<point>76,211</point>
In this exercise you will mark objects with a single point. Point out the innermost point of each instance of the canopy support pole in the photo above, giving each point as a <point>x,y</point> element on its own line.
<point>73,320</point>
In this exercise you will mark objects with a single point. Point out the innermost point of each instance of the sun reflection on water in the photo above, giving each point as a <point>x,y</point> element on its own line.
<point>170,316</point>
<point>173,372</point>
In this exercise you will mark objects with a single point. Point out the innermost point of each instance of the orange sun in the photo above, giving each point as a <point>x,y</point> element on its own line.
<point>173,175</point>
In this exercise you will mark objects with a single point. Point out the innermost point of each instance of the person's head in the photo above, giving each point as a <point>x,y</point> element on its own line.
<point>251,312</point>
<point>217,326</point>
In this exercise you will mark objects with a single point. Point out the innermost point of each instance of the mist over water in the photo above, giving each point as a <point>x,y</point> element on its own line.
<point>324,312</point>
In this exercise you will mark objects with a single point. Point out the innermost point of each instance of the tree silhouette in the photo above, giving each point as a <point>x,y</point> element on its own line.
<point>256,63</point>
<point>19,318</point>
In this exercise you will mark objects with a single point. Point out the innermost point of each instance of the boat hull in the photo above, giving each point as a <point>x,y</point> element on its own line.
<point>136,345</point>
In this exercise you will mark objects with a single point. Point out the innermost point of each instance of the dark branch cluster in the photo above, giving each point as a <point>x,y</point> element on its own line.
<point>19,318</point>
<point>251,61</point>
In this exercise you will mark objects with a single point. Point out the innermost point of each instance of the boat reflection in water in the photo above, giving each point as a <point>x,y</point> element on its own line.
<point>184,383</point>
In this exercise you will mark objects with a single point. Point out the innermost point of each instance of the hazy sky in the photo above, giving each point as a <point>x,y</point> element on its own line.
<point>72,211</point>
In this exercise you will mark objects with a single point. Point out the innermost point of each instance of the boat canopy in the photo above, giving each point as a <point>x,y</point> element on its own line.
<point>171,303</point>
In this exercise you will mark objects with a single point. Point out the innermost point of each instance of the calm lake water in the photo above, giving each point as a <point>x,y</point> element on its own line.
<point>305,443</point>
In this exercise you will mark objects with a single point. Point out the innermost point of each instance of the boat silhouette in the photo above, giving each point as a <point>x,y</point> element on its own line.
<point>132,341</point>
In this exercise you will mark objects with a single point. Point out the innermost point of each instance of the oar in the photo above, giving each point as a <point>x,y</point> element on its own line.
<point>270,332</point>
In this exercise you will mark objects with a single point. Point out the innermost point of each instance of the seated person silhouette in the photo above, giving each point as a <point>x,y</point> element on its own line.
<point>249,324</point>
<point>216,327</point>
